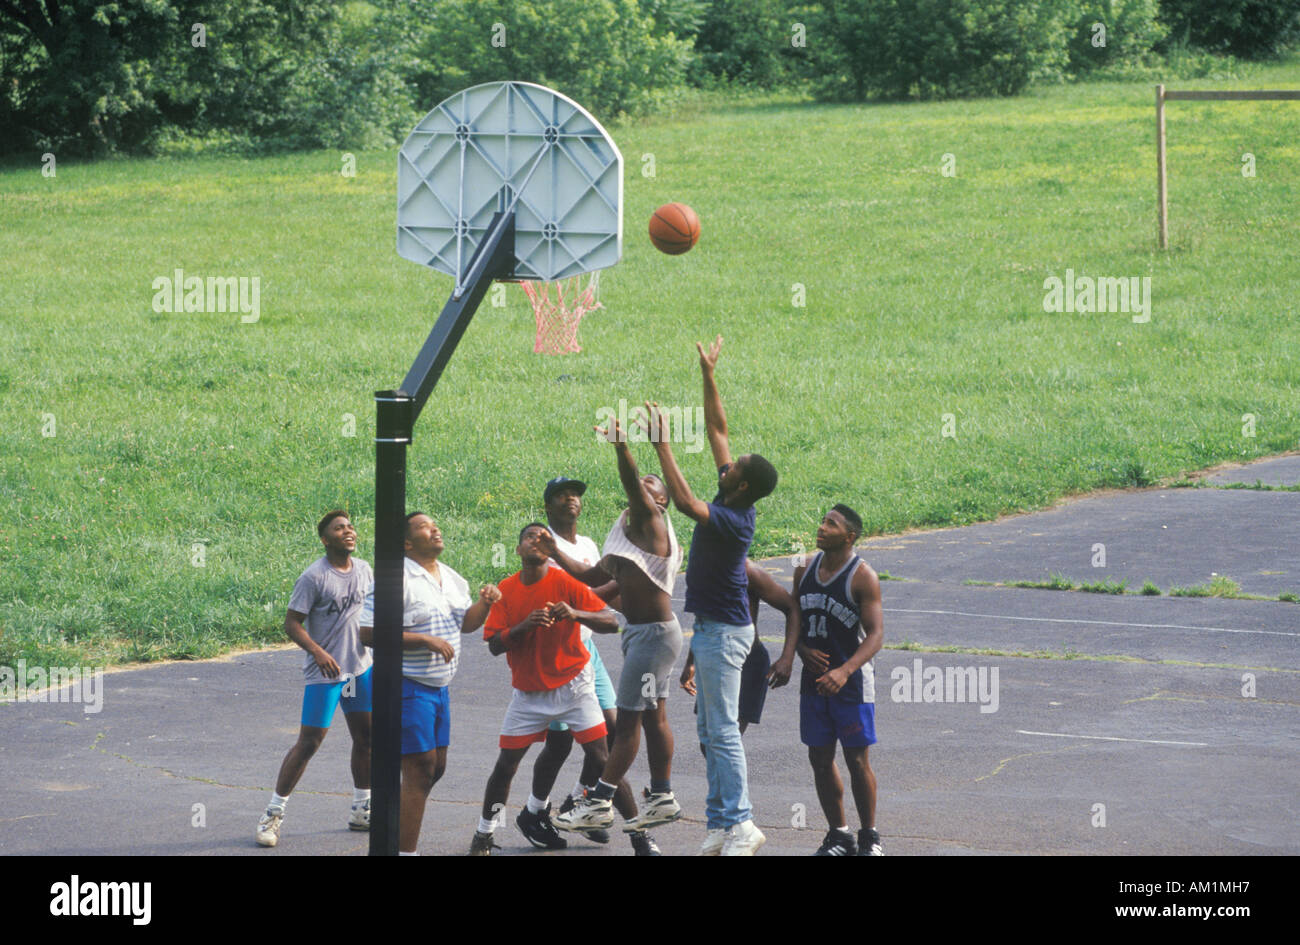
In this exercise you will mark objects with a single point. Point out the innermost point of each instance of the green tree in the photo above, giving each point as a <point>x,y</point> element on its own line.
<point>936,48</point>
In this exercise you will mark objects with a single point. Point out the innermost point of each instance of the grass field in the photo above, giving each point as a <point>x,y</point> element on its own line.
<point>173,507</point>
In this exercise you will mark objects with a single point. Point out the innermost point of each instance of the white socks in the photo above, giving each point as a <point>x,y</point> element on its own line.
<point>536,806</point>
<point>277,804</point>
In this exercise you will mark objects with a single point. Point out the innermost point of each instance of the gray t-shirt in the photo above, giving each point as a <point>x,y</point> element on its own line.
<point>332,599</point>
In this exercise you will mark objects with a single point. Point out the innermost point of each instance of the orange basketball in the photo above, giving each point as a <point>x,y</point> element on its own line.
<point>674,228</point>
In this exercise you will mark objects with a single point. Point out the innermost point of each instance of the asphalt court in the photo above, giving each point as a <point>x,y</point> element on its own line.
<point>1141,725</point>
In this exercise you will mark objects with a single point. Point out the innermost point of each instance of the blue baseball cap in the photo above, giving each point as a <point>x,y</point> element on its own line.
<point>563,482</point>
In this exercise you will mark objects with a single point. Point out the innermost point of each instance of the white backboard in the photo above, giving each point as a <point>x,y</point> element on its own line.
<point>502,145</point>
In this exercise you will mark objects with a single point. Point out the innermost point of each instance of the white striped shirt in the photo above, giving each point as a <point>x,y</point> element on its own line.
<point>661,571</point>
<point>428,607</point>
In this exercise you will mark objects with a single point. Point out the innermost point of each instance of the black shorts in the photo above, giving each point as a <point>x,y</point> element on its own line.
<point>753,683</point>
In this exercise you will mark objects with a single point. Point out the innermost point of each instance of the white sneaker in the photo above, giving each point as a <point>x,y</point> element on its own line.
<point>360,819</point>
<point>268,829</point>
<point>713,842</point>
<point>587,814</point>
<point>743,840</point>
<point>659,809</point>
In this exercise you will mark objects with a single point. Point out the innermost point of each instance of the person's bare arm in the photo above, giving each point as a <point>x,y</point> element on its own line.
<point>639,503</point>
<point>715,419</point>
<point>773,594</point>
<point>498,643</point>
<point>297,632</point>
<point>477,612</point>
<point>866,592</point>
<point>601,621</point>
<point>592,576</point>
<point>609,593</point>
<point>678,490</point>
<point>688,673</point>
<point>415,641</point>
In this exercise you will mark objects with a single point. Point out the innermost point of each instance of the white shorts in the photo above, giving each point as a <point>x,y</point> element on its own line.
<point>530,714</point>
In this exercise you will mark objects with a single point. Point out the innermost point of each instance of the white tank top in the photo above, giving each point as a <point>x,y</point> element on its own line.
<point>661,571</point>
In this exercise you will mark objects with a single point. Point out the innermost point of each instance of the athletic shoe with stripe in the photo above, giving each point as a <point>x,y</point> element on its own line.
<point>838,843</point>
<point>482,844</point>
<point>659,809</point>
<point>595,835</point>
<point>590,813</point>
<point>869,843</point>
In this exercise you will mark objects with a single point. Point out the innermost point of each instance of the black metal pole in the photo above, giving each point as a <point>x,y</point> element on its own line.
<point>394,418</point>
<point>396,412</point>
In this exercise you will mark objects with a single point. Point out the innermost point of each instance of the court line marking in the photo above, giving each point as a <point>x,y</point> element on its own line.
<point>1114,738</point>
<point>1105,623</point>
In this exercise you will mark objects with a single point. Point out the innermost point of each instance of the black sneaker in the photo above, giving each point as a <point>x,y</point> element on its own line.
<point>482,844</point>
<point>597,835</point>
<point>869,843</point>
<point>643,845</point>
<point>837,843</point>
<point>539,831</point>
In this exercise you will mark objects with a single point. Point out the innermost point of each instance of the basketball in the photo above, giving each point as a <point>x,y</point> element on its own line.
<point>674,228</point>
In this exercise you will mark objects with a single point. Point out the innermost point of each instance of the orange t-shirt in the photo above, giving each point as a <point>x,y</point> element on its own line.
<point>550,656</point>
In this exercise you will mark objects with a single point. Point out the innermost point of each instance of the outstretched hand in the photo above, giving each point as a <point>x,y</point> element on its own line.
<point>614,433</point>
<point>545,542</point>
<point>709,359</point>
<point>654,422</point>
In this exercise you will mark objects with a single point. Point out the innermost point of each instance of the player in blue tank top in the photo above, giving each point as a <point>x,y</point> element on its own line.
<point>841,630</point>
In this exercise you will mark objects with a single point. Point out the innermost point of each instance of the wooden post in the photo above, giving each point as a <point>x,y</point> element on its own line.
<point>1162,195</point>
<point>1200,95</point>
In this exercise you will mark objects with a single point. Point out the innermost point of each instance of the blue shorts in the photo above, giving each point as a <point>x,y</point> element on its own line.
<point>426,717</point>
<point>753,683</point>
<point>604,687</point>
<point>824,719</point>
<point>319,700</point>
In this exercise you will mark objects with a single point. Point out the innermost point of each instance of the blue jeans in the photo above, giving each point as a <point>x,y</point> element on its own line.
<point>720,650</point>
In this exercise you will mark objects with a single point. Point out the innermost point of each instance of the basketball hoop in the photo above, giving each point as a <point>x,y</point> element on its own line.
<point>558,318</point>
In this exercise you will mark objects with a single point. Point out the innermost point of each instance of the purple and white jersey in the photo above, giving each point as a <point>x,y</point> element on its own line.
<point>831,622</point>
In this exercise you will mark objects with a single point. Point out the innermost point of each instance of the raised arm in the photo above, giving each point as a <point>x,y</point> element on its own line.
<point>715,419</point>
<point>773,594</point>
<point>678,490</point>
<point>640,505</point>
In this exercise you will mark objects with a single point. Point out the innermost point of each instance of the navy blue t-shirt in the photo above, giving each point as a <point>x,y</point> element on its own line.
<point>716,585</point>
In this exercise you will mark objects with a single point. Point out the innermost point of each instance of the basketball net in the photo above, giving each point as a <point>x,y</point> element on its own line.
<point>558,318</point>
